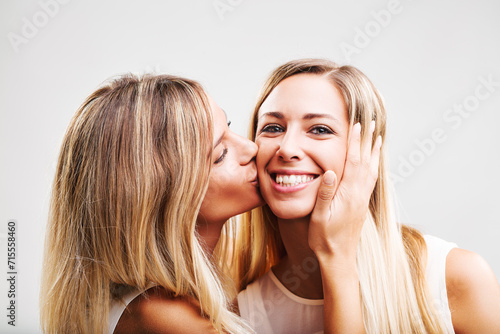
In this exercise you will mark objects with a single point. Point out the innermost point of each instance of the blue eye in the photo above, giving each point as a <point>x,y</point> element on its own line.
<point>222,156</point>
<point>321,130</point>
<point>272,128</point>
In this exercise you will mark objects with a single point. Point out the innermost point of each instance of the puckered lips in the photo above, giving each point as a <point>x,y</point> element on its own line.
<point>254,177</point>
<point>255,181</point>
<point>288,180</point>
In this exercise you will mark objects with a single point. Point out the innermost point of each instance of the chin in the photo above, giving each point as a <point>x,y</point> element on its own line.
<point>290,211</point>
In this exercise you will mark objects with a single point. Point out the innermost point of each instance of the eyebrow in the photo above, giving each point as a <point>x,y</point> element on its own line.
<point>279,115</point>
<point>217,143</point>
<point>312,116</point>
<point>275,114</point>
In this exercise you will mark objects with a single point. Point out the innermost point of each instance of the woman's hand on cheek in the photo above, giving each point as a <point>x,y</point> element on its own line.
<point>342,207</point>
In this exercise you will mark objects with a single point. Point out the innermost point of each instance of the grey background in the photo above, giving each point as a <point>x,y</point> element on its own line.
<point>426,58</point>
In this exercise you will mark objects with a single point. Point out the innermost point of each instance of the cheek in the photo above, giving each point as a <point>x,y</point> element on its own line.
<point>222,181</point>
<point>332,158</point>
<point>212,192</point>
<point>261,161</point>
<point>264,154</point>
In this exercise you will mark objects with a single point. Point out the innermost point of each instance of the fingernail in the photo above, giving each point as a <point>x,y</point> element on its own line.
<point>328,178</point>
<point>357,127</point>
<point>372,126</point>
<point>379,141</point>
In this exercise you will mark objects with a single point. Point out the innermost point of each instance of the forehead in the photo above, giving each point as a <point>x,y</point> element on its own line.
<point>219,118</point>
<point>305,93</point>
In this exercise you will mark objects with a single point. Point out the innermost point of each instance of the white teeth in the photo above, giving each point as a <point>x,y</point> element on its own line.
<point>292,180</point>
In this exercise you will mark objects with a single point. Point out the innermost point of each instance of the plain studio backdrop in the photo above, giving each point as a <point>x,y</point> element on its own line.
<point>435,62</point>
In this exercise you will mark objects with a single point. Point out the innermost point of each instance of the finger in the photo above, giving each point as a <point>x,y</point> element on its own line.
<point>353,159</point>
<point>324,199</point>
<point>375,158</point>
<point>366,146</point>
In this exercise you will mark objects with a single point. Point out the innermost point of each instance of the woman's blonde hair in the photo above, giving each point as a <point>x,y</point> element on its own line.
<point>132,173</point>
<point>391,257</point>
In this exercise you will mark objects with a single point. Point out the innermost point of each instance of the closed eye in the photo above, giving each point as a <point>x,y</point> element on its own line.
<point>221,157</point>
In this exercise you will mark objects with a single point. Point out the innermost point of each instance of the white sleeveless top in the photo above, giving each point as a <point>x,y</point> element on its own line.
<point>118,306</point>
<point>271,308</point>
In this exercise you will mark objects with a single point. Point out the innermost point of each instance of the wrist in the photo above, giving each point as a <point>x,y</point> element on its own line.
<point>335,253</point>
<point>338,260</point>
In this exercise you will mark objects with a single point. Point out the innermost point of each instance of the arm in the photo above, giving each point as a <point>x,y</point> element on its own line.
<point>335,230</point>
<point>342,308</point>
<point>162,313</point>
<point>473,293</point>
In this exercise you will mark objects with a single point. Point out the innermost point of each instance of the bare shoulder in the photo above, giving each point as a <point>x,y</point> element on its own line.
<point>473,293</point>
<point>159,312</point>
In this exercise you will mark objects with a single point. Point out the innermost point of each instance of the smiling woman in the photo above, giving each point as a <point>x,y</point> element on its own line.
<point>305,138</point>
<point>347,266</point>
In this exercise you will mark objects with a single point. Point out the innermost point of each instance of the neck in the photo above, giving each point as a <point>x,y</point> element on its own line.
<point>209,234</point>
<point>299,270</point>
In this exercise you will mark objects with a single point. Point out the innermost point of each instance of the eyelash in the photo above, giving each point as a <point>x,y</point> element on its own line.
<point>326,130</point>
<point>314,130</point>
<point>222,156</point>
<point>269,126</point>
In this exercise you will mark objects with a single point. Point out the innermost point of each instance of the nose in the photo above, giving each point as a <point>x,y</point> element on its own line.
<point>288,149</point>
<point>247,150</point>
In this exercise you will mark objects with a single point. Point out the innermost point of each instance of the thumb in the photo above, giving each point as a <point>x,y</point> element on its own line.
<point>324,199</point>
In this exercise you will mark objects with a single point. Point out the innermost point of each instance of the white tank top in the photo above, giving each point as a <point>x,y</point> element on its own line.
<point>271,308</point>
<point>117,307</point>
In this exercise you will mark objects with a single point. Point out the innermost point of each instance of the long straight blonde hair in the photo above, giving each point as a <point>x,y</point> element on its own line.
<point>132,173</point>
<point>391,257</point>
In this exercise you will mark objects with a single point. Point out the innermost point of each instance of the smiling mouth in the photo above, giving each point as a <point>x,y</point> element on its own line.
<point>286,180</point>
